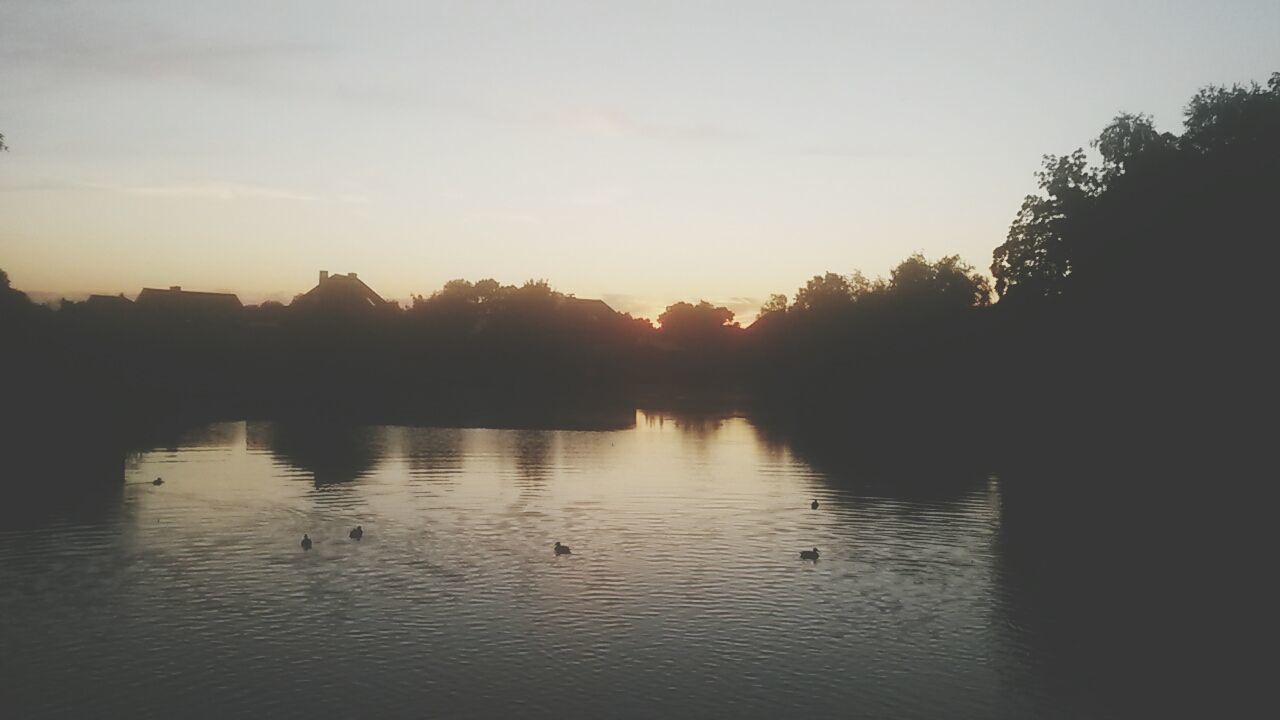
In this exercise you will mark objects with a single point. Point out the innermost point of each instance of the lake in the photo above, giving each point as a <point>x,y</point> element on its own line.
<point>684,596</point>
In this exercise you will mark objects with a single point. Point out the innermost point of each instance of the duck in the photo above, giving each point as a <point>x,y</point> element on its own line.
<point>563,549</point>
<point>306,541</point>
<point>158,481</point>
<point>809,554</point>
<point>814,505</point>
<point>357,533</point>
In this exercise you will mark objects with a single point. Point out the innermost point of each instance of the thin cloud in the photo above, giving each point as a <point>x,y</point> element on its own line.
<point>842,151</point>
<point>744,308</point>
<point>211,190</point>
<point>44,186</point>
<point>614,124</point>
<point>106,44</point>
<point>214,191</point>
<point>600,197</point>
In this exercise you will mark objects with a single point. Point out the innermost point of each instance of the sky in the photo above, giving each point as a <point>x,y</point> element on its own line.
<point>638,152</point>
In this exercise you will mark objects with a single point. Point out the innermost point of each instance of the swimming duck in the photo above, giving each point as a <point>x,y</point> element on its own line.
<point>814,504</point>
<point>306,542</point>
<point>563,549</point>
<point>809,554</point>
<point>157,481</point>
<point>357,533</point>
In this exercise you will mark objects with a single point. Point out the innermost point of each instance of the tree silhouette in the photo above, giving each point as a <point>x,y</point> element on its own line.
<point>948,284</point>
<point>1106,216</point>
<point>1035,259</point>
<point>824,292</point>
<point>1219,117</point>
<point>777,303</point>
<point>1125,139</point>
<point>1123,282</point>
<point>696,325</point>
<point>10,298</point>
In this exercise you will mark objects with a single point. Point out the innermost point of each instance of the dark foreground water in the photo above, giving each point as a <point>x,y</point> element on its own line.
<point>684,597</point>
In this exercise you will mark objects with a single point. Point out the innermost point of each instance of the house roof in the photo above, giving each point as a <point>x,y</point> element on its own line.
<point>176,298</point>
<point>591,308</point>
<point>345,290</point>
<point>108,300</point>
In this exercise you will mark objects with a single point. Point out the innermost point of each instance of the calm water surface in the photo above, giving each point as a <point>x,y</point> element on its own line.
<point>684,596</point>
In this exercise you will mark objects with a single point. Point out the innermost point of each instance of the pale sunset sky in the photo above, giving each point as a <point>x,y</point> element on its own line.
<point>639,152</point>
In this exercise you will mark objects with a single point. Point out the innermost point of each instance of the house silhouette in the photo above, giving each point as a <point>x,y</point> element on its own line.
<point>187,303</point>
<point>587,310</point>
<point>109,302</point>
<point>341,293</point>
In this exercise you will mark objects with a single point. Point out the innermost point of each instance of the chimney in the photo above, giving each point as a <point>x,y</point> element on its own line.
<point>175,288</point>
<point>324,275</point>
<point>351,275</point>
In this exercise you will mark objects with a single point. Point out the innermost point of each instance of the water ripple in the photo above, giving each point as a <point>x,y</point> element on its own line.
<point>684,596</point>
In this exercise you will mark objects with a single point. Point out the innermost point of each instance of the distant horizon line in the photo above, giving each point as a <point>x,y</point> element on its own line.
<point>257,298</point>
<point>746,309</point>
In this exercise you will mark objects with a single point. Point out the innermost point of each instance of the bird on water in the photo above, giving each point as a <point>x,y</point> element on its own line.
<point>814,504</point>
<point>306,541</point>
<point>563,549</point>
<point>357,533</point>
<point>809,554</point>
<point>157,481</point>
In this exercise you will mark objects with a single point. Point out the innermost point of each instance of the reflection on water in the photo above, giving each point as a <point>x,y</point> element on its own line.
<point>685,595</point>
<point>327,451</point>
<point>433,454</point>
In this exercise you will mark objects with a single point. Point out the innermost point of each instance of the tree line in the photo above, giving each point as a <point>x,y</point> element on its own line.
<point>1122,285</point>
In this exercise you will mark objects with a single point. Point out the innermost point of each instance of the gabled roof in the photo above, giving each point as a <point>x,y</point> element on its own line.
<point>109,301</point>
<point>589,308</point>
<point>175,298</point>
<point>347,291</point>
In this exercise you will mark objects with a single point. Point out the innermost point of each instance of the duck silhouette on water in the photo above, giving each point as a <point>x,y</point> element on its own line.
<point>562,549</point>
<point>809,554</point>
<point>814,505</point>
<point>158,482</point>
<point>357,533</point>
<point>306,541</point>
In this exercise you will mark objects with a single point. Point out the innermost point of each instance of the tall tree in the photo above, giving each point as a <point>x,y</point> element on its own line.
<point>1219,117</point>
<point>948,284</point>
<point>824,292</point>
<point>695,323</point>
<point>777,304</point>
<point>1097,216</point>
<point>1035,258</point>
<point>10,298</point>
<point>1127,138</point>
